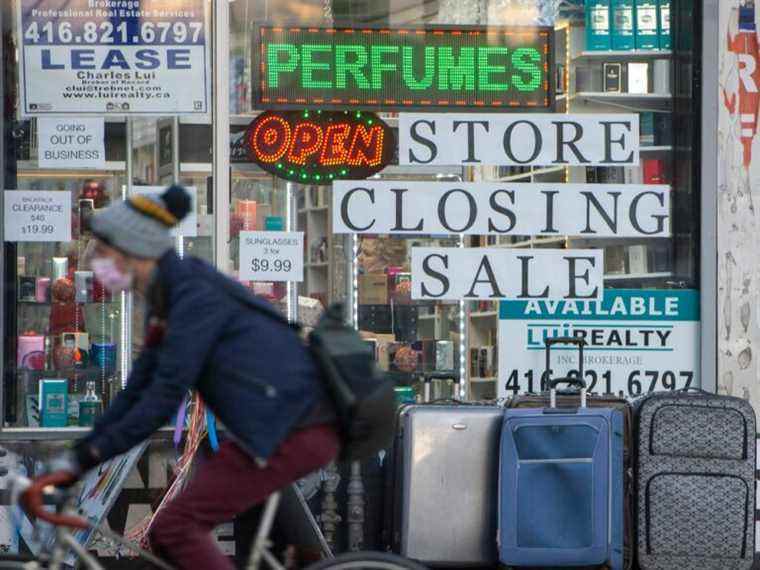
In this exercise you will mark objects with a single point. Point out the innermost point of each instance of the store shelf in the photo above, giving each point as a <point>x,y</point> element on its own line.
<point>639,276</point>
<point>487,380</point>
<point>315,210</point>
<point>537,172</point>
<point>538,241</point>
<point>655,148</point>
<point>484,315</point>
<point>624,54</point>
<point>317,264</point>
<point>601,95</point>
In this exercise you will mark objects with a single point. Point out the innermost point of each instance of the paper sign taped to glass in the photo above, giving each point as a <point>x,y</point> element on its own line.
<point>117,57</point>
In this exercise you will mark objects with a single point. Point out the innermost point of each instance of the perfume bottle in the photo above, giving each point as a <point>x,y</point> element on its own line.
<point>90,407</point>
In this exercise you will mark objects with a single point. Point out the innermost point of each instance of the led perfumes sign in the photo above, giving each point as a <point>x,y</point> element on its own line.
<point>432,68</point>
<point>317,147</point>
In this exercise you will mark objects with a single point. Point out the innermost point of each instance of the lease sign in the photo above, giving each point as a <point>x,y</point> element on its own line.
<point>433,68</point>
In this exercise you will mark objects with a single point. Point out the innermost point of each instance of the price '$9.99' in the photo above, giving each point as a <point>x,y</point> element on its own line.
<point>276,265</point>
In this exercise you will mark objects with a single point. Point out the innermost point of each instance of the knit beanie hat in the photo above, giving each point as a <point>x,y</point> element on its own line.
<point>140,226</point>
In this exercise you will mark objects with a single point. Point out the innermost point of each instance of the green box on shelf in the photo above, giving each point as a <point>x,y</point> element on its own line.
<point>646,128</point>
<point>647,28</point>
<point>623,25</point>
<point>663,17</point>
<point>598,25</point>
<point>53,402</point>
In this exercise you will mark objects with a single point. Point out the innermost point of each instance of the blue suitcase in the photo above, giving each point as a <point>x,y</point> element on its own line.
<point>561,485</point>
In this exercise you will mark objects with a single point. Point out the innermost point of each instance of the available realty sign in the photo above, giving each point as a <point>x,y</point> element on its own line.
<point>637,341</point>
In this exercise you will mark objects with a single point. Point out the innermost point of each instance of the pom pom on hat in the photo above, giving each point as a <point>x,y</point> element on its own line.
<point>177,201</point>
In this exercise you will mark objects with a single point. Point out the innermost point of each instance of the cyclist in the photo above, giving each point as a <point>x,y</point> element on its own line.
<point>205,332</point>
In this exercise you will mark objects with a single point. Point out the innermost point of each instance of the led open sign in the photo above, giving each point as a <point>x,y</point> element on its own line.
<point>432,68</point>
<point>317,147</point>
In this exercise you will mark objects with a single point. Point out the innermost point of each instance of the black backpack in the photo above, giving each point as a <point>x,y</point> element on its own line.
<point>363,397</point>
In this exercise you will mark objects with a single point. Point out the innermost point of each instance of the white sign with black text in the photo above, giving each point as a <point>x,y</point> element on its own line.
<point>188,227</point>
<point>71,142</point>
<point>519,139</point>
<point>271,256</point>
<point>481,208</point>
<point>36,215</point>
<point>454,274</point>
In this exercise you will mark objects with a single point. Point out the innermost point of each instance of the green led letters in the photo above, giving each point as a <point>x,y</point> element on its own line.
<point>309,66</point>
<point>407,64</point>
<point>396,68</point>
<point>378,66</point>
<point>344,67</point>
<point>486,68</point>
<point>528,61</point>
<point>451,74</point>
<point>275,66</point>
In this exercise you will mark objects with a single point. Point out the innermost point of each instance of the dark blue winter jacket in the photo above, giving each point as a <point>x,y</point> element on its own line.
<point>250,368</point>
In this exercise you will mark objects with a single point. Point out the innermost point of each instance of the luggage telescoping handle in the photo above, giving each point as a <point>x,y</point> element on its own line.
<point>570,381</point>
<point>428,378</point>
<point>577,341</point>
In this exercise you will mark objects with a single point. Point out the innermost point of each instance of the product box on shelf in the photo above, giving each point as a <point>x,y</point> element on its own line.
<point>83,282</point>
<point>613,77</point>
<point>664,23</point>
<point>53,402</point>
<point>647,29</point>
<point>614,260</point>
<point>623,28</point>
<point>42,290</point>
<point>654,171</point>
<point>638,78</point>
<point>598,37</point>
<point>663,129</point>
<point>646,128</point>
<point>661,76</point>
<point>27,288</point>
<point>373,289</point>
<point>638,259</point>
<point>31,352</point>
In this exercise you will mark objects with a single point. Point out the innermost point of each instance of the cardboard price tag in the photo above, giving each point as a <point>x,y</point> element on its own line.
<point>33,215</point>
<point>271,256</point>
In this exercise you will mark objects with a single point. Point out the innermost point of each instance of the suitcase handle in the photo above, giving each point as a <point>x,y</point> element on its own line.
<point>577,341</point>
<point>579,382</point>
<point>428,378</point>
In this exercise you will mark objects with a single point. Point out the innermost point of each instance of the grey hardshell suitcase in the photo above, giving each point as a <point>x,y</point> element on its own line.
<point>695,481</point>
<point>446,469</point>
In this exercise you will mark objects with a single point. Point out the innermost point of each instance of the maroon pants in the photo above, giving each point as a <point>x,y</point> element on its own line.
<point>229,483</point>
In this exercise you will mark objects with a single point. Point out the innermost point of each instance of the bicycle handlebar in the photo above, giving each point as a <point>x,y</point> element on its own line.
<point>31,500</point>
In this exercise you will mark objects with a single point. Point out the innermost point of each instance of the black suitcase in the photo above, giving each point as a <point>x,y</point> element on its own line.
<point>695,481</point>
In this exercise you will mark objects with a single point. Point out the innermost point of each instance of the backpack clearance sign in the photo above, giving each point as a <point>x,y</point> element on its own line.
<point>440,67</point>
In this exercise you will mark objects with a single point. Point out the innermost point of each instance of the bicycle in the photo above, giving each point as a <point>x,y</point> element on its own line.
<point>31,496</point>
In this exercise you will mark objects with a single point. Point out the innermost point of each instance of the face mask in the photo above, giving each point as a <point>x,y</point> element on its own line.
<point>112,278</point>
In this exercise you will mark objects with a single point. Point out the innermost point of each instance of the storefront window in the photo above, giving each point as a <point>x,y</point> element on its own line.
<point>474,347</point>
<point>622,70</point>
<point>69,343</point>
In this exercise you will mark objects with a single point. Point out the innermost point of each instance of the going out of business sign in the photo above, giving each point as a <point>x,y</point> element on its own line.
<point>123,57</point>
<point>438,67</point>
<point>637,341</point>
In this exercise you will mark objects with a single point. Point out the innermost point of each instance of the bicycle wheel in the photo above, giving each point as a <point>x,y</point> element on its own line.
<point>367,561</point>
